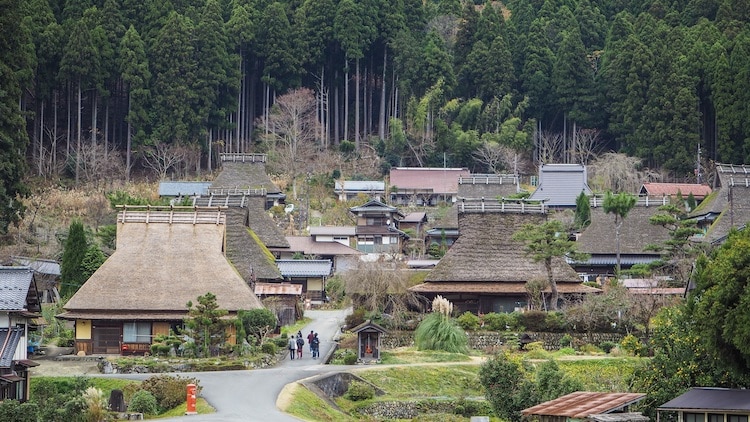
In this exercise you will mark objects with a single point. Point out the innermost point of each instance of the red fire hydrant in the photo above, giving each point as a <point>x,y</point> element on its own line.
<point>191,400</point>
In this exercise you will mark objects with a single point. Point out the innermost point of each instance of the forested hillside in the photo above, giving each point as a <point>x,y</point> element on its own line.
<point>489,86</point>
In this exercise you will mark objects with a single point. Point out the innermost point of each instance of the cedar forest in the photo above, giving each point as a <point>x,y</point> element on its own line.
<point>420,83</point>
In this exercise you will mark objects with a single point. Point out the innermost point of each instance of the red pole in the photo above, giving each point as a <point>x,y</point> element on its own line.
<point>191,400</point>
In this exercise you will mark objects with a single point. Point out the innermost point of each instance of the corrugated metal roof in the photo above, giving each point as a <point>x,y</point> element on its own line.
<point>709,399</point>
<point>9,338</point>
<point>14,287</point>
<point>333,230</point>
<point>169,188</point>
<point>361,186</point>
<point>612,260</point>
<point>439,180</point>
<point>584,403</point>
<point>42,266</point>
<point>671,189</point>
<point>265,289</point>
<point>304,267</point>
<point>308,246</point>
<point>560,184</point>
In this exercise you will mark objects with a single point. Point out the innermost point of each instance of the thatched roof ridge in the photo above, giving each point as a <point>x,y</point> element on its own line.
<point>485,252</point>
<point>247,251</point>
<point>244,175</point>
<point>734,213</point>
<point>495,288</point>
<point>263,225</point>
<point>636,232</point>
<point>159,267</point>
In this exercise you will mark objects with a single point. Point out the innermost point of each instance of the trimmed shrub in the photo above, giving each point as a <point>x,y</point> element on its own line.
<point>350,358</point>
<point>269,348</point>
<point>468,321</point>
<point>533,320</point>
<point>497,321</point>
<point>169,391</point>
<point>607,346</point>
<point>566,340</point>
<point>358,391</point>
<point>143,402</point>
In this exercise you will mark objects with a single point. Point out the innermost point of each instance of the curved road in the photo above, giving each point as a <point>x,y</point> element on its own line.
<point>251,395</point>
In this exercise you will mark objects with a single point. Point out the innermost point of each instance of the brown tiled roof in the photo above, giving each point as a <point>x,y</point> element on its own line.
<point>438,180</point>
<point>635,233</point>
<point>159,267</point>
<point>485,252</point>
<point>580,404</point>
<point>671,189</point>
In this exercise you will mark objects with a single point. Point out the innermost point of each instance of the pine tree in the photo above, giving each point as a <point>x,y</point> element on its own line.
<point>72,275</point>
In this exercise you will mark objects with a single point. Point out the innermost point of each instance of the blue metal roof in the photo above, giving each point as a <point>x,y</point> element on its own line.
<point>14,287</point>
<point>361,186</point>
<point>560,184</point>
<point>42,266</point>
<point>305,267</point>
<point>169,188</point>
<point>612,260</point>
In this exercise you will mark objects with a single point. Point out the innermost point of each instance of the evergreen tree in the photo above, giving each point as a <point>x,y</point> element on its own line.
<point>206,325</point>
<point>72,275</point>
<point>133,66</point>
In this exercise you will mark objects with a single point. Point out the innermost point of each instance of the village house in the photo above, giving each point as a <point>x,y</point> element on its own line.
<point>424,186</point>
<point>46,276</point>
<point>343,257</point>
<point>377,228</point>
<point>19,305</point>
<point>165,258</point>
<point>708,404</point>
<point>560,184</point>
<point>727,207</point>
<point>486,270</point>
<point>349,189</point>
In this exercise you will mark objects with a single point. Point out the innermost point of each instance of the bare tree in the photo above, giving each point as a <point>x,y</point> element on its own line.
<point>550,147</point>
<point>495,156</point>
<point>618,173</point>
<point>378,288</point>
<point>96,164</point>
<point>161,157</point>
<point>293,130</point>
<point>586,145</point>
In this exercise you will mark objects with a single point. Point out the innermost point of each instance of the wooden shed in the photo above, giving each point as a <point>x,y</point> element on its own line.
<point>369,335</point>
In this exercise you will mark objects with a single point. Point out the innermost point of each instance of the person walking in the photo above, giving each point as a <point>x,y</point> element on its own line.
<point>315,346</point>
<point>292,347</point>
<point>309,339</point>
<point>300,345</point>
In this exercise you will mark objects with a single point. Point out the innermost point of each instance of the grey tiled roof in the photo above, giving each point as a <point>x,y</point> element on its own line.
<point>14,287</point>
<point>560,184</point>
<point>9,338</point>
<point>41,266</point>
<point>305,267</point>
<point>169,188</point>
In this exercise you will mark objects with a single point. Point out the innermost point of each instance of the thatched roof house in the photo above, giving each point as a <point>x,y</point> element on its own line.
<point>486,271</point>
<point>727,207</point>
<point>598,239</point>
<point>163,260</point>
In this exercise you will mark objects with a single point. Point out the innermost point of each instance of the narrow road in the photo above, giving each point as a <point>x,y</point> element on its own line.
<point>251,395</point>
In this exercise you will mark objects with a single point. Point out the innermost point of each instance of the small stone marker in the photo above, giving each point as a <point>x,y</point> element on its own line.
<point>117,401</point>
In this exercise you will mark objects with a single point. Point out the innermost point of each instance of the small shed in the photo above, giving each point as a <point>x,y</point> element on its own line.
<point>369,336</point>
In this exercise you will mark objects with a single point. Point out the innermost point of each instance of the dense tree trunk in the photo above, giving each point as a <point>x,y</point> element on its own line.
<point>346,100</point>
<point>357,140</point>
<point>78,133</point>
<point>381,114</point>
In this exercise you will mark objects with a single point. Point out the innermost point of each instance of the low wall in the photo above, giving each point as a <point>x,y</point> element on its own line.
<point>482,340</point>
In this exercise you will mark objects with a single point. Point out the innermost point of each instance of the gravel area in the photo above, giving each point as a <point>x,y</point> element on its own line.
<point>62,368</point>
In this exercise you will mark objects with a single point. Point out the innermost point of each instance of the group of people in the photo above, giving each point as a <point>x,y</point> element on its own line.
<point>297,344</point>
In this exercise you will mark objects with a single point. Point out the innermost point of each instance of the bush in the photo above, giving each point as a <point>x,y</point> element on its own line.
<point>500,321</point>
<point>350,358</point>
<point>13,411</point>
<point>169,391</point>
<point>555,322</point>
<point>533,320</point>
<point>566,340</point>
<point>143,402</point>
<point>359,391</point>
<point>269,348</point>
<point>468,321</point>
<point>632,346</point>
<point>355,318</point>
<point>281,341</point>
<point>607,346</point>
<point>590,349</point>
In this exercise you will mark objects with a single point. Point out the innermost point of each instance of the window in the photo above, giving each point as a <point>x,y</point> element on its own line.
<point>715,417</point>
<point>136,332</point>
<point>736,418</point>
<point>694,417</point>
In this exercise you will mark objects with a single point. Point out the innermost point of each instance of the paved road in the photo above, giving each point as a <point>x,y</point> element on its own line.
<point>251,395</point>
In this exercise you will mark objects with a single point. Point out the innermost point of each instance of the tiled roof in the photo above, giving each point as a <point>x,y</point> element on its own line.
<point>333,230</point>
<point>706,398</point>
<point>170,188</point>
<point>581,404</point>
<point>415,217</point>
<point>360,186</point>
<point>560,184</point>
<point>438,180</point>
<point>374,206</point>
<point>9,338</point>
<point>41,266</point>
<point>14,287</point>
<point>671,189</point>
<point>305,267</point>
<point>308,246</point>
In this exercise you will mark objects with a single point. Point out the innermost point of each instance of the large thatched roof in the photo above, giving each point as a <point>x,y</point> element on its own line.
<point>486,253</point>
<point>247,250</point>
<point>244,171</point>
<point>731,203</point>
<point>157,268</point>
<point>635,233</point>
